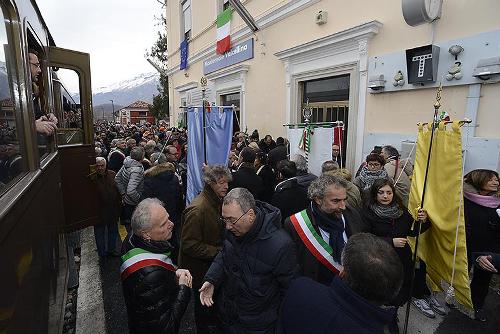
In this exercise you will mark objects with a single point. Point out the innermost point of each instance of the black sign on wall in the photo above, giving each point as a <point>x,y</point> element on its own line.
<point>422,64</point>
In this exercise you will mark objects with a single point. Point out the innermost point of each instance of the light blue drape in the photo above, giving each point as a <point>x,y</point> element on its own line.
<point>219,130</point>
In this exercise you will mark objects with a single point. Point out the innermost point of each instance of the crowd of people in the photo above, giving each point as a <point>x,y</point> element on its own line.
<point>268,247</point>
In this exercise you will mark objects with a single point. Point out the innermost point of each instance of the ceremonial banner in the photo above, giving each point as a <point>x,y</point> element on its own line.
<point>184,54</point>
<point>444,205</point>
<point>320,146</point>
<point>218,127</point>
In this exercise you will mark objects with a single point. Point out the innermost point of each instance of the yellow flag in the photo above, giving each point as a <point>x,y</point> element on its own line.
<point>444,204</point>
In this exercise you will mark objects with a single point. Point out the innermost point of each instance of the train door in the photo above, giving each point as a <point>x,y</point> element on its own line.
<point>75,138</point>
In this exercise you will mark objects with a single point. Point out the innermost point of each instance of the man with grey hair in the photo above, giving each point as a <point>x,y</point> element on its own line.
<point>130,180</point>
<point>156,292</point>
<point>109,200</point>
<point>254,268</point>
<point>321,230</point>
<point>201,236</point>
<point>304,178</point>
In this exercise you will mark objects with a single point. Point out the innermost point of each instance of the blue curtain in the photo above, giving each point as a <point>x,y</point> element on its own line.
<point>219,130</point>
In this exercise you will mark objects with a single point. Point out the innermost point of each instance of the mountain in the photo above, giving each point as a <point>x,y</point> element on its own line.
<point>4,82</point>
<point>123,93</point>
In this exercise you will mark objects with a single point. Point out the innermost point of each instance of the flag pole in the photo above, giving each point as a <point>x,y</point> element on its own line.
<point>203,83</point>
<point>437,105</point>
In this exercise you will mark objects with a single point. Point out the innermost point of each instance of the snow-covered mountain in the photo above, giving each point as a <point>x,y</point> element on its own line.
<point>141,87</point>
<point>4,82</point>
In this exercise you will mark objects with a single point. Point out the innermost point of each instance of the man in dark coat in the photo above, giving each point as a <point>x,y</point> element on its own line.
<point>254,268</point>
<point>371,276</point>
<point>156,292</point>
<point>321,231</point>
<point>245,176</point>
<point>201,237</point>
<point>289,196</point>
<point>266,174</point>
<point>160,181</point>
<point>304,178</point>
<point>117,156</point>
<point>109,210</point>
<point>267,144</point>
<point>280,152</point>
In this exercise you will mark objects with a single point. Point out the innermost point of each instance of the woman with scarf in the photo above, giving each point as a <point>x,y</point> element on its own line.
<point>482,224</point>
<point>388,219</point>
<point>372,170</point>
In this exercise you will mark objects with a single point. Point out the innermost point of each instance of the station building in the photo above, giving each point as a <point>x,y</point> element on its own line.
<point>356,61</point>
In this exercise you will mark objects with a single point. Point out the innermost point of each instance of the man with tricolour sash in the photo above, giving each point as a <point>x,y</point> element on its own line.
<point>320,232</point>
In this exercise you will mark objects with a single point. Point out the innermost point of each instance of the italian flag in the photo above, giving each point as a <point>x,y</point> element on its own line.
<point>223,31</point>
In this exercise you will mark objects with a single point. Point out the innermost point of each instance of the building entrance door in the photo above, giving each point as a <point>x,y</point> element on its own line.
<point>229,100</point>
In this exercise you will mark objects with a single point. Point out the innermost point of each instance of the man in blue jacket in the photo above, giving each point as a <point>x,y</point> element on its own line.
<point>372,275</point>
<point>254,268</point>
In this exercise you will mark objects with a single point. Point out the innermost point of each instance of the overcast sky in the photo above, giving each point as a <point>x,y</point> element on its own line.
<point>116,33</point>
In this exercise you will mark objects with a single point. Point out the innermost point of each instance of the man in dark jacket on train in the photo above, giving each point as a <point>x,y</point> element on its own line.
<point>254,268</point>
<point>156,292</point>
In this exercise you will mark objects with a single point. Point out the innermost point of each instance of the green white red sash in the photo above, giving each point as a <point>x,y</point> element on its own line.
<point>321,250</point>
<point>138,258</point>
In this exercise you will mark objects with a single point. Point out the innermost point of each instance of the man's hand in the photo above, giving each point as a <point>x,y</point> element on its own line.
<point>422,215</point>
<point>45,127</point>
<point>184,277</point>
<point>399,242</point>
<point>50,118</point>
<point>484,261</point>
<point>206,294</point>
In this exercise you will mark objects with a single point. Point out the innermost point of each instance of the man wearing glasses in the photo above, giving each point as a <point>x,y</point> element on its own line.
<point>254,268</point>
<point>45,124</point>
<point>201,237</point>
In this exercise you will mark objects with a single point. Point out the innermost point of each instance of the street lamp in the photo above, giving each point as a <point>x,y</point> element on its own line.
<point>113,105</point>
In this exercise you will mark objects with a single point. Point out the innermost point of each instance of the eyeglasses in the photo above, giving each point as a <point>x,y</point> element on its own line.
<point>228,220</point>
<point>374,164</point>
<point>36,64</point>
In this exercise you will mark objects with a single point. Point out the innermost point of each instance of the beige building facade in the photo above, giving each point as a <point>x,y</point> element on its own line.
<point>330,53</point>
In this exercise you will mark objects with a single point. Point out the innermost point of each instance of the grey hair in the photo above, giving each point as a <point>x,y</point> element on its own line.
<point>317,189</point>
<point>214,173</point>
<point>300,162</point>
<point>141,218</point>
<point>137,153</point>
<point>242,197</point>
<point>329,165</point>
<point>100,159</point>
<point>158,158</point>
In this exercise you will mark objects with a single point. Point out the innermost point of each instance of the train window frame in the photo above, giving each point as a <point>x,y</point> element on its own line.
<point>33,42</point>
<point>13,60</point>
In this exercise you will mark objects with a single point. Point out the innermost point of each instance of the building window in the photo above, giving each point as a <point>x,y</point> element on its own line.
<point>186,22</point>
<point>230,100</point>
<point>143,113</point>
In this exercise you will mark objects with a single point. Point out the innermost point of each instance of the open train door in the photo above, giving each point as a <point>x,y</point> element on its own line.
<point>75,137</point>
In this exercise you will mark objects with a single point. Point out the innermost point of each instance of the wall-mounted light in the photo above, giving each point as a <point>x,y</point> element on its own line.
<point>486,68</point>
<point>376,83</point>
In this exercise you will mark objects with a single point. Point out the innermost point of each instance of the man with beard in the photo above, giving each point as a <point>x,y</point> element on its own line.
<point>320,232</point>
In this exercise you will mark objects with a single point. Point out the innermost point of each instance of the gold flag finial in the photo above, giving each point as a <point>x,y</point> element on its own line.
<point>437,104</point>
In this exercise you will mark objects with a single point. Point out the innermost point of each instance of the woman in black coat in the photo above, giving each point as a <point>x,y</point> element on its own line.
<point>389,219</point>
<point>482,225</point>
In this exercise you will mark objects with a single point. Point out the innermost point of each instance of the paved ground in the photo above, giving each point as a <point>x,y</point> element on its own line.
<point>101,307</point>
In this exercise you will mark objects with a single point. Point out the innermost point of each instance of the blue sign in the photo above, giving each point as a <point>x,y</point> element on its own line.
<point>184,54</point>
<point>237,54</point>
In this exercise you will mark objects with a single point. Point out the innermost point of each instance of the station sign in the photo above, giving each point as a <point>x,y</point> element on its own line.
<point>237,54</point>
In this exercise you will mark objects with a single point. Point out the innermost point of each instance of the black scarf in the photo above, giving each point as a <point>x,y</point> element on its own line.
<point>157,247</point>
<point>389,212</point>
<point>332,225</point>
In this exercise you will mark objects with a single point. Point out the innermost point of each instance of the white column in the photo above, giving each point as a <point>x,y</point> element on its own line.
<point>360,126</point>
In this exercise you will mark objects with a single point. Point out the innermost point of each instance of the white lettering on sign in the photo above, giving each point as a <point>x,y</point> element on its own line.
<point>421,63</point>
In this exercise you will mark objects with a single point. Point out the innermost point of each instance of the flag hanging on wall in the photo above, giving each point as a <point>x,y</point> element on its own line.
<point>184,54</point>
<point>224,31</point>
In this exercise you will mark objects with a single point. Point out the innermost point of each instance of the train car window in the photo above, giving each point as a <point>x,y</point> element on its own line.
<point>45,120</point>
<point>68,107</point>
<point>12,164</point>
